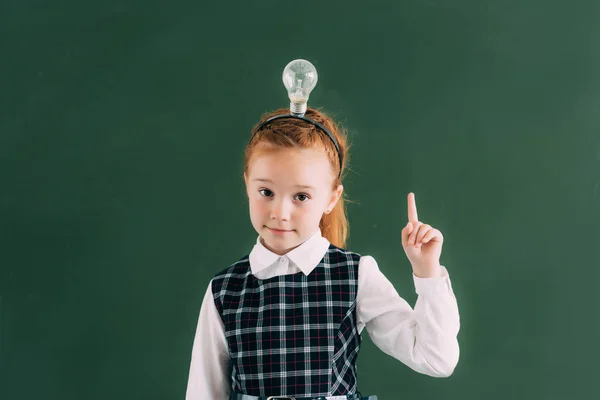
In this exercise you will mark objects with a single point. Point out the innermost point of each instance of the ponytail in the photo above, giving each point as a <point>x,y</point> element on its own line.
<point>334,226</point>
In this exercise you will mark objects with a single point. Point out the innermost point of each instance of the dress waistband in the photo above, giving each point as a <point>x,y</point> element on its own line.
<point>239,396</point>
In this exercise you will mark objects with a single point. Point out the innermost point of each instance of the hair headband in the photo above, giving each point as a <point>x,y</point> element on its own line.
<point>299,78</point>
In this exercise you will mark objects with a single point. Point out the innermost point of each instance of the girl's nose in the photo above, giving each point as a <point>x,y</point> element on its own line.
<point>281,210</point>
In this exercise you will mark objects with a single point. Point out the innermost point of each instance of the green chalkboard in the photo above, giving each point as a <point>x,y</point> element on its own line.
<point>122,128</point>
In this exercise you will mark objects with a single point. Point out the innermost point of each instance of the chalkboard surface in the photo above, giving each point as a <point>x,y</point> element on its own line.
<point>122,128</point>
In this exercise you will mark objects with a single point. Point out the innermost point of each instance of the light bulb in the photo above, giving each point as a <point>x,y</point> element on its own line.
<point>299,78</point>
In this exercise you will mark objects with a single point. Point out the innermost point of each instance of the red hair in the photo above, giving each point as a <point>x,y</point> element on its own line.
<point>287,133</point>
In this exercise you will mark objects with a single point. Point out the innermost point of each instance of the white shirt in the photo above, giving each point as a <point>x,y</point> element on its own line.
<point>425,339</point>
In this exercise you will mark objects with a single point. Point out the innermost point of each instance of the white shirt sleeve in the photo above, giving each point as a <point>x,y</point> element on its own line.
<point>425,339</point>
<point>208,377</point>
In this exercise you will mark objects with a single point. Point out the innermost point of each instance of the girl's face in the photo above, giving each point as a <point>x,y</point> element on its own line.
<point>288,191</point>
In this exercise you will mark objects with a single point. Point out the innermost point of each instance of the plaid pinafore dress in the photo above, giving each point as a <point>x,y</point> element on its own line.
<point>292,335</point>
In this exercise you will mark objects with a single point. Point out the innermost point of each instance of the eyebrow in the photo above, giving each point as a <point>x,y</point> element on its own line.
<point>298,186</point>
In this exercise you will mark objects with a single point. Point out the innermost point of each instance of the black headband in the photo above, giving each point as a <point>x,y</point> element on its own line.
<point>310,121</point>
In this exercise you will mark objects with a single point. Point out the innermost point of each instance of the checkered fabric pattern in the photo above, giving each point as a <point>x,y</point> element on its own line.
<point>292,335</point>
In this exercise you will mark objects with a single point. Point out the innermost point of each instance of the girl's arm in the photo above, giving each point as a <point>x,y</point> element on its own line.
<point>425,339</point>
<point>208,378</point>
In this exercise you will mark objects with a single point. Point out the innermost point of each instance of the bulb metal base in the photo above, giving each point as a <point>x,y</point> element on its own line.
<point>298,109</point>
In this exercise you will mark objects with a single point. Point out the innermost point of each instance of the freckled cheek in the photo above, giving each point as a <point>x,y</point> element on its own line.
<point>258,207</point>
<point>305,214</point>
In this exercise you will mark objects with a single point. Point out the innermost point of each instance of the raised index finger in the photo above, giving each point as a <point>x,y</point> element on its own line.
<point>412,208</point>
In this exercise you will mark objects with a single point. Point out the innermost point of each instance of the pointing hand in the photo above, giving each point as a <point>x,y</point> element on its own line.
<point>422,243</point>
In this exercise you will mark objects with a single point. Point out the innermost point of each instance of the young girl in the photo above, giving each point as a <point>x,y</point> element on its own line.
<point>285,321</point>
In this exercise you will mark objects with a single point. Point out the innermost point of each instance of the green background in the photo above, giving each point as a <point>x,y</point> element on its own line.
<point>122,128</point>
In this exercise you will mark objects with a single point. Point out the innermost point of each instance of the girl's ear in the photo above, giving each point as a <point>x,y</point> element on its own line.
<point>246,182</point>
<point>335,196</point>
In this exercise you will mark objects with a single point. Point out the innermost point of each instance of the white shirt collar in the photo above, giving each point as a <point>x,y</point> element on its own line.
<point>306,256</point>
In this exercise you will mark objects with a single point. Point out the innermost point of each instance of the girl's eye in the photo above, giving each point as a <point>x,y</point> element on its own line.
<point>302,197</point>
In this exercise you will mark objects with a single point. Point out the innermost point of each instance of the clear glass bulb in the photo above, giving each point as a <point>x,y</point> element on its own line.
<point>299,78</point>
